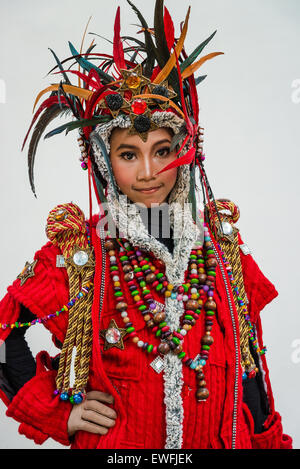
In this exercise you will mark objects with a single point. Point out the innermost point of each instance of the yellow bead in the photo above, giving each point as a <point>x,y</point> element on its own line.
<point>153,268</point>
<point>201,271</point>
<point>199,252</point>
<point>194,296</point>
<point>170,287</point>
<point>135,340</point>
<point>167,294</point>
<point>137,298</point>
<point>117,284</point>
<point>126,319</point>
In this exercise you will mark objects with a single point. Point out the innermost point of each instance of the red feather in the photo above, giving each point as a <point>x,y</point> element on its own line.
<point>85,78</point>
<point>45,105</point>
<point>169,29</point>
<point>194,98</point>
<point>118,47</point>
<point>185,159</point>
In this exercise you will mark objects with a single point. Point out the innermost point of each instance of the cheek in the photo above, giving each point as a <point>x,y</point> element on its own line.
<point>123,175</point>
<point>169,177</point>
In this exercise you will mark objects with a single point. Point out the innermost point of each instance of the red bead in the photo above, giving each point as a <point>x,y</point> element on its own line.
<point>131,282</point>
<point>139,274</point>
<point>179,336</point>
<point>139,106</point>
<point>139,303</point>
<point>165,283</point>
<point>164,329</point>
<point>143,263</point>
<point>154,284</point>
<point>148,296</point>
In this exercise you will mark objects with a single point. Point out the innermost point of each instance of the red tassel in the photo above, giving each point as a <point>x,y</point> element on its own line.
<point>118,47</point>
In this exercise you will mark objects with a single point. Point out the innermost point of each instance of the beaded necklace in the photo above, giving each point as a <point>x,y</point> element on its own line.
<point>196,296</point>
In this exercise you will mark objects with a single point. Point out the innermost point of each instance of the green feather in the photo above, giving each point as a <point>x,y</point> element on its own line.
<point>192,57</point>
<point>86,65</point>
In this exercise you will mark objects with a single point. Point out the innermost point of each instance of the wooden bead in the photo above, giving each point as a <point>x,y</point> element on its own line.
<point>109,245</point>
<point>207,340</point>
<point>121,306</point>
<point>127,268</point>
<point>211,262</point>
<point>129,276</point>
<point>163,348</point>
<point>150,278</point>
<point>200,375</point>
<point>178,349</point>
<point>201,383</point>
<point>192,304</point>
<point>202,278</point>
<point>147,317</point>
<point>202,394</point>
<point>159,317</point>
<point>150,323</point>
<point>210,305</point>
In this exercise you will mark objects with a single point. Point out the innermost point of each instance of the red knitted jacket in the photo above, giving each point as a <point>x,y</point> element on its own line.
<point>223,421</point>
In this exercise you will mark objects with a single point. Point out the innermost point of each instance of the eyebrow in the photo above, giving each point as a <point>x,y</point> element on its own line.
<point>134,147</point>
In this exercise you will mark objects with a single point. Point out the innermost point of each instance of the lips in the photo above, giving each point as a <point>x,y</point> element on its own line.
<point>149,190</point>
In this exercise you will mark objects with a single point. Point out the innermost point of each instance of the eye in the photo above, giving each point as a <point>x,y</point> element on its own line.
<point>163,151</point>
<point>127,155</point>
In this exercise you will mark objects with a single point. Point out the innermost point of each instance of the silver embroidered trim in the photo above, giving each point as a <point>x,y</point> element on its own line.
<point>127,218</point>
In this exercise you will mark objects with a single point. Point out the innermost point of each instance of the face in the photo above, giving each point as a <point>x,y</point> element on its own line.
<point>135,164</point>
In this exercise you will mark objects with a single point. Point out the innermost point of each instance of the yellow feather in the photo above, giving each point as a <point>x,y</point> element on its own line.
<point>164,73</point>
<point>194,67</point>
<point>74,90</point>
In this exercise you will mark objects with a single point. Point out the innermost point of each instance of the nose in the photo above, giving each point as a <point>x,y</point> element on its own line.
<point>146,170</point>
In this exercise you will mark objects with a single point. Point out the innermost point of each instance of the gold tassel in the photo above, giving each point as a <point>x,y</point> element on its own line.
<point>66,228</point>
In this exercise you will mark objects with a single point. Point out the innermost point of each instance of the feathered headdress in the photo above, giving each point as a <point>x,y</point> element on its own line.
<point>140,77</point>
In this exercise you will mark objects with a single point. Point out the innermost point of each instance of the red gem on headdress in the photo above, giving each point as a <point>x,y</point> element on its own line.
<point>138,106</point>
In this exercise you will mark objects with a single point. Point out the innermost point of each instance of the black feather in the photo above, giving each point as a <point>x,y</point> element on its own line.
<point>47,116</point>
<point>150,47</point>
<point>162,50</point>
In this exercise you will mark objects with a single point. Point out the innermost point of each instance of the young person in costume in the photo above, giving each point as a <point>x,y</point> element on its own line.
<point>159,317</point>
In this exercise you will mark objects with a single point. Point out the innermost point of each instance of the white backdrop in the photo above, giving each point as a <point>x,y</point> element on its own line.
<point>250,109</point>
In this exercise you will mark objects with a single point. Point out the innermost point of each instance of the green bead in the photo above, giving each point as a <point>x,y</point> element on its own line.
<point>176,340</point>
<point>118,293</point>
<point>206,347</point>
<point>210,251</point>
<point>145,292</point>
<point>158,333</point>
<point>135,292</point>
<point>142,307</point>
<point>198,311</point>
<point>194,280</point>
<point>123,258</point>
<point>211,272</point>
<point>145,267</point>
<point>160,275</point>
<point>192,256</point>
<point>114,267</point>
<point>150,348</point>
<point>16,324</point>
<point>189,317</point>
<point>137,269</point>
<point>186,288</point>
<point>159,286</point>
<point>181,355</point>
<point>210,313</point>
<point>71,399</point>
<point>200,261</point>
<point>162,324</point>
<point>143,283</point>
<point>130,329</point>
